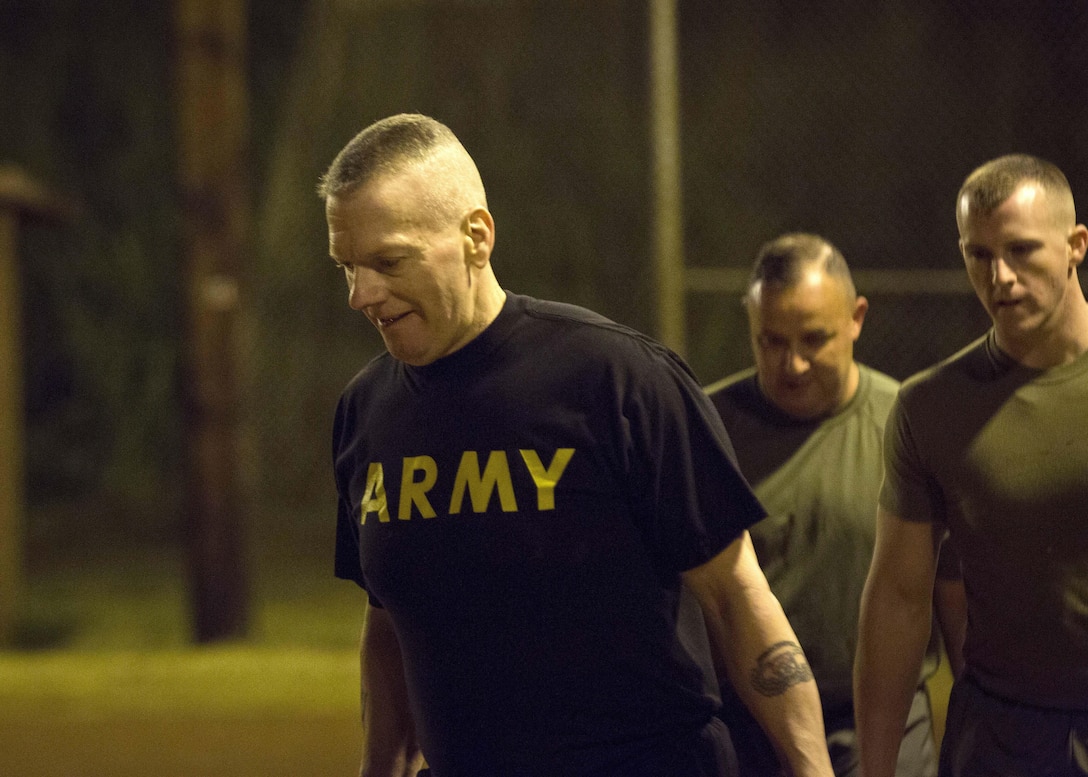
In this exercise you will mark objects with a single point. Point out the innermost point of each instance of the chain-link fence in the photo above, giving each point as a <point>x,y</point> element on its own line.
<point>859,121</point>
<point>853,119</point>
<point>856,120</point>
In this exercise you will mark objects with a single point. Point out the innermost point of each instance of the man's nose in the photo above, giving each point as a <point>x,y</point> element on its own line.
<point>1000,273</point>
<point>795,361</point>
<point>365,288</point>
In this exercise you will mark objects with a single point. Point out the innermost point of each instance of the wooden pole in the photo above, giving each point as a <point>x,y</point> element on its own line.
<point>213,126</point>
<point>11,431</point>
<point>20,198</point>
<point>668,222</point>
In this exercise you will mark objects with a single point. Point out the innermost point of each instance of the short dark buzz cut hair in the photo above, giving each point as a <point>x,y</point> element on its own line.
<point>995,181</point>
<point>385,146</point>
<point>782,262</point>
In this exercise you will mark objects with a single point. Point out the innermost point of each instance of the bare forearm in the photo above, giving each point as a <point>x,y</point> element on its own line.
<point>895,621</point>
<point>389,745</point>
<point>777,686</point>
<point>389,740</point>
<point>892,639</point>
<point>754,643</point>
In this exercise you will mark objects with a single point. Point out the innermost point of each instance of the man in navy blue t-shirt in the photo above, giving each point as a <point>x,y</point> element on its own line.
<point>534,498</point>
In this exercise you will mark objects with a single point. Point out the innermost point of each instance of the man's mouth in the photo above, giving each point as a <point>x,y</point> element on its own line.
<point>387,322</point>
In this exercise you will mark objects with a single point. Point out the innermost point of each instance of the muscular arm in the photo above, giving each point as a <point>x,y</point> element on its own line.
<point>755,645</point>
<point>893,632</point>
<point>389,737</point>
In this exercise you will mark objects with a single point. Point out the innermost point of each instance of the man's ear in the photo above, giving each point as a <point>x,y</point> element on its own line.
<point>479,236</point>
<point>1078,244</point>
<point>861,307</point>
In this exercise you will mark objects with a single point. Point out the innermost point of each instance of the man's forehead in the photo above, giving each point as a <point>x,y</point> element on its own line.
<point>377,203</point>
<point>339,244</point>
<point>338,222</point>
<point>813,283</point>
<point>1026,197</point>
<point>797,319</point>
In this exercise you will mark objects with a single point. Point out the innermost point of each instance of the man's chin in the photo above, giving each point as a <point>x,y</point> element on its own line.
<point>402,353</point>
<point>800,408</point>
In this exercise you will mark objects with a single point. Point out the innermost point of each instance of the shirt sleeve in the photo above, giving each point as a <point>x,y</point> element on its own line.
<point>694,501</point>
<point>908,491</point>
<point>346,560</point>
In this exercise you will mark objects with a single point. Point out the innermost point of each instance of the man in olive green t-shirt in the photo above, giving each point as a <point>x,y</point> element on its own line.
<point>807,423</point>
<point>991,445</point>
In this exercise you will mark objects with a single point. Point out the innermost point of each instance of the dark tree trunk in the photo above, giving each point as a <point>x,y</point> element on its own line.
<point>213,126</point>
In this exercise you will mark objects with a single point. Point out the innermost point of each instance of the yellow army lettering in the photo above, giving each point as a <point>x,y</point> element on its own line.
<point>420,473</point>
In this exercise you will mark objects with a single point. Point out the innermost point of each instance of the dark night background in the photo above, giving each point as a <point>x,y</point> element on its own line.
<point>857,119</point>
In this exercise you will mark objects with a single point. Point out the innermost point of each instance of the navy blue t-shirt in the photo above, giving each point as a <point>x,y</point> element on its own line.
<point>522,508</point>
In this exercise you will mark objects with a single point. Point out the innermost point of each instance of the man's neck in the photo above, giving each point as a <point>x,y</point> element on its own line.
<point>1053,346</point>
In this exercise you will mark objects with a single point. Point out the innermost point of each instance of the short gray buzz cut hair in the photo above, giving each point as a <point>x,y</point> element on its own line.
<point>383,147</point>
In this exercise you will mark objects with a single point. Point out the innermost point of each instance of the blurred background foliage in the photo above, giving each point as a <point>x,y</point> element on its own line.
<point>851,118</point>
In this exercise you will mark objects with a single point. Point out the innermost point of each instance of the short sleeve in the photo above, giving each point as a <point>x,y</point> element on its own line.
<point>908,491</point>
<point>694,501</point>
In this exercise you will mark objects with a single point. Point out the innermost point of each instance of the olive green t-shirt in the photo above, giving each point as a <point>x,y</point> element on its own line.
<point>999,453</point>
<point>818,481</point>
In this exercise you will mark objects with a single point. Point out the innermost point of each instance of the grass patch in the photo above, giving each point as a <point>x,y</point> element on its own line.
<point>106,682</point>
<point>236,681</point>
<point>106,631</point>
<point>119,593</point>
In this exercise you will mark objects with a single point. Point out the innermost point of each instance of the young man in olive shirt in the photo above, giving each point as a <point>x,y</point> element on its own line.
<point>992,446</point>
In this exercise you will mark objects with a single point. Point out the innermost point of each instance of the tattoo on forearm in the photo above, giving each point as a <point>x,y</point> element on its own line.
<point>780,667</point>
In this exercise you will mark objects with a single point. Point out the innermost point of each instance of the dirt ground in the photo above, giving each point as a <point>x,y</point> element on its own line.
<point>107,684</point>
<point>57,746</point>
<point>66,744</point>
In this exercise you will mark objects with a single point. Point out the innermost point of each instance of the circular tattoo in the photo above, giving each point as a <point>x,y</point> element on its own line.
<point>780,667</point>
